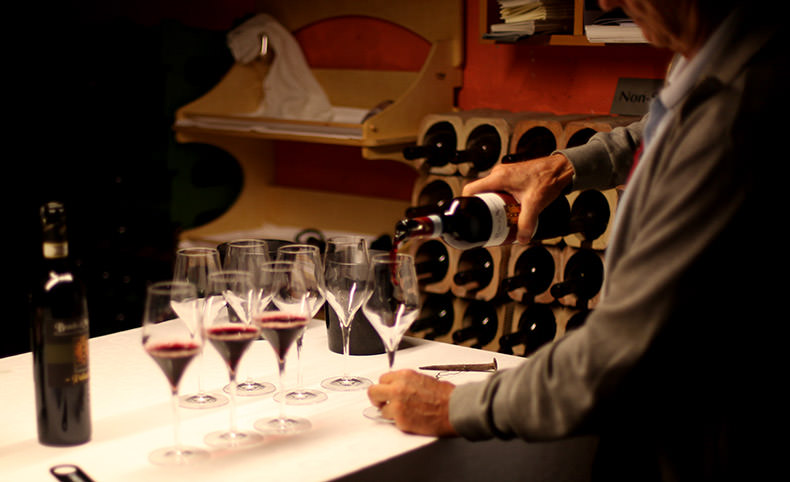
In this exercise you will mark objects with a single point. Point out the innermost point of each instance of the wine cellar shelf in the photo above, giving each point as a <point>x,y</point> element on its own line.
<point>513,298</point>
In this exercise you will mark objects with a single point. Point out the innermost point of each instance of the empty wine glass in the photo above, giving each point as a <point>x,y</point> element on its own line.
<point>347,286</point>
<point>393,304</point>
<point>231,334</point>
<point>247,254</point>
<point>241,254</point>
<point>311,255</point>
<point>194,265</point>
<point>281,324</point>
<point>171,335</point>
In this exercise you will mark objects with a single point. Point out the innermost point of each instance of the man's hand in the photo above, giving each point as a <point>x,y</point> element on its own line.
<point>417,403</point>
<point>534,183</point>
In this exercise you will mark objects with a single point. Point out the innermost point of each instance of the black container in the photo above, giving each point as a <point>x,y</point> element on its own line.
<point>364,340</point>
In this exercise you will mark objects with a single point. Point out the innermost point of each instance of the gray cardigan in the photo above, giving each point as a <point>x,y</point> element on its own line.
<point>661,370</point>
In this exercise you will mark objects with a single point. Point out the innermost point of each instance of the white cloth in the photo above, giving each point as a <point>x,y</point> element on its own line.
<point>290,91</point>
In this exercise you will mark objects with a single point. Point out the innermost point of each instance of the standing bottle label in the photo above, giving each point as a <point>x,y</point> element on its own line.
<point>504,218</point>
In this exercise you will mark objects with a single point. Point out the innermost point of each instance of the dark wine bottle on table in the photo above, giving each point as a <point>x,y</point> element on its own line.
<point>59,340</point>
<point>582,276</point>
<point>436,316</point>
<point>438,146</point>
<point>480,323</point>
<point>486,219</point>
<point>533,271</point>
<point>536,327</point>
<point>483,148</point>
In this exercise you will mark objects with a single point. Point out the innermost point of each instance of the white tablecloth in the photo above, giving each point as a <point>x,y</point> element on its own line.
<point>131,413</point>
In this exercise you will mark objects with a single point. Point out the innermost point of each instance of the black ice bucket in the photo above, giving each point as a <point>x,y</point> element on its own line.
<point>363,340</point>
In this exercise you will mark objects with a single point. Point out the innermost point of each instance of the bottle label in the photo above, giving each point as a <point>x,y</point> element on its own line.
<point>66,352</point>
<point>55,250</point>
<point>504,218</point>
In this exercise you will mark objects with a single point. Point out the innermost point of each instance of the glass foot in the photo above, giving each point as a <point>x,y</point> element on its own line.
<point>346,384</point>
<point>287,425</point>
<point>252,389</point>
<point>374,413</point>
<point>202,400</point>
<point>302,396</point>
<point>231,439</point>
<point>177,456</point>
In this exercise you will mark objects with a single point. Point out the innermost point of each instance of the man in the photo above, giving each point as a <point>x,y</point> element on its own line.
<point>674,370</point>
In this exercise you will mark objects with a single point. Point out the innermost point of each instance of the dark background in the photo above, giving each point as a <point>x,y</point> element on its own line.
<point>94,95</point>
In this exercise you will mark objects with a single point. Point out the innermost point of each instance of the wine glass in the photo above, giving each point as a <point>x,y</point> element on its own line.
<point>347,286</point>
<point>247,254</point>
<point>393,304</point>
<point>281,323</point>
<point>194,265</point>
<point>242,254</point>
<point>231,334</point>
<point>311,255</point>
<point>172,336</point>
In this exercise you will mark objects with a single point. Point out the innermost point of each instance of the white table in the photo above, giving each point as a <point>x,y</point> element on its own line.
<point>131,413</point>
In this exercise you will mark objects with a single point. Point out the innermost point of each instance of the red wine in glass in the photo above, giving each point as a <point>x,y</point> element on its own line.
<point>281,330</point>
<point>173,359</point>
<point>231,341</point>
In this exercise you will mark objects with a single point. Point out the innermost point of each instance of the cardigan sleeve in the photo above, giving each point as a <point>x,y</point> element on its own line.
<point>606,159</point>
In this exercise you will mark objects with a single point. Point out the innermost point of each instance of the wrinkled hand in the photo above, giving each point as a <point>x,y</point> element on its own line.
<point>534,183</point>
<point>417,403</point>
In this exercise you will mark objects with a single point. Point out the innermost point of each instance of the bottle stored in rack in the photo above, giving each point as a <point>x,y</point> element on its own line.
<point>431,199</point>
<point>438,146</point>
<point>475,269</point>
<point>533,271</point>
<point>582,277</point>
<point>436,316</point>
<point>536,327</point>
<point>483,149</point>
<point>590,214</point>
<point>432,262</point>
<point>479,324</point>
<point>532,144</point>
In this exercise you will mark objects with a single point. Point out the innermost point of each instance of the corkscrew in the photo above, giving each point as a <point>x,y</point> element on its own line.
<point>69,473</point>
<point>464,367</point>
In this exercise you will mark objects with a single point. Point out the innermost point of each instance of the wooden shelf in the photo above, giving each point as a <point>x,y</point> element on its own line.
<point>228,109</point>
<point>225,117</point>
<point>576,38</point>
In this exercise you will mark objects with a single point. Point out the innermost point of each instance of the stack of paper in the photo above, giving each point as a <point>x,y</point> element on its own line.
<point>613,27</point>
<point>522,18</point>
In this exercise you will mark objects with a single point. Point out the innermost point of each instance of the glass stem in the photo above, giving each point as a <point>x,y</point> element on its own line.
<point>200,371</point>
<point>281,368</point>
<point>391,358</point>
<point>346,330</point>
<point>232,392</point>
<point>176,420</point>
<point>299,363</point>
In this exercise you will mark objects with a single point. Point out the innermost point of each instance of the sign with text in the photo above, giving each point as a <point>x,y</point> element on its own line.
<point>633,96</point>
